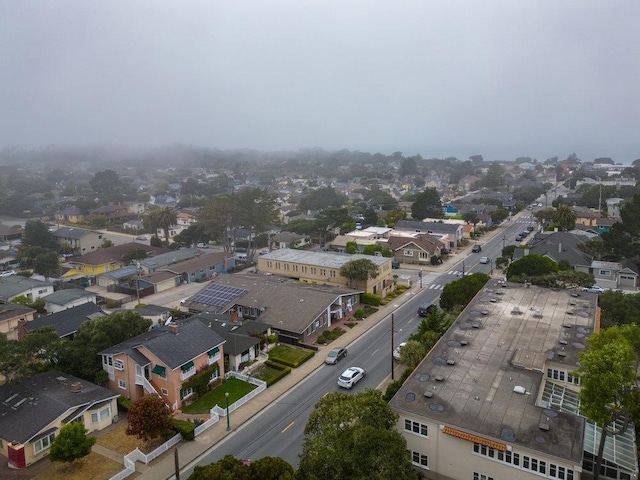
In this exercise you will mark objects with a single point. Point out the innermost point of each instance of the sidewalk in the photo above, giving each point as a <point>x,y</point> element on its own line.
<point>164,468</point>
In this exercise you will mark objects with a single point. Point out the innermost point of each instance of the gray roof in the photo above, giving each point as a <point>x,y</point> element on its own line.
<point>199,262</point>
<point>12,310</point>
<point>67,321</point>
<point>556,253</point>
<point>505,350</point>
<point>193,339</point>
<point>166,259</point>
<point>62,297</point>
<point>237,339</point>
<point>29,407</point>
<point>17,284</point>
<point>288,305</point>
<point>319,259</point>
<point>428,226</point>
<point>72,232</point>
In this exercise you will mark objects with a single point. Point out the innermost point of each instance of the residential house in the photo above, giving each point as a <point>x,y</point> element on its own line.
<point>33,411</point>
<point>108,259</point>
<point>111,213</point>
<point>17,285</point>
<point>244,339</point>
<point>9,233</point>
<point>158,314</point>
<point>453,231</point>
<point>289,240</point>
<point>78,240</point>
<point>420,249</point>
<point>70,214</point>
<point>497,396</point>
<point>558,246</point>
<point>162,360</point>
<point>157,262</point>
<point>202,267</point>
<point>324,267</point>
<point>297,312</point>
<point>11,316</point>
<point>133,224</point>
<point>613,207</point>
<point>68,298</point>
<point>65,322</point>
<point>615,275</point>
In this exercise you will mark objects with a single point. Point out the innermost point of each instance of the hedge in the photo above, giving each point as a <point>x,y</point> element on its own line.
<point>370,299</point>
<point>284,371</point>
<point>124,404</point>
<point>185,428</point>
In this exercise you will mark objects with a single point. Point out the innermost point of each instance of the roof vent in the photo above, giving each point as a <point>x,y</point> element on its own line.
<point>428,394</point>
<point>544,426</point>
<point>520,389</point>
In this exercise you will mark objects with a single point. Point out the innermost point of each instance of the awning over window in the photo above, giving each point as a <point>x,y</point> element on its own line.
<point>159,370</point>
<point>213,352</point>
<point>186,366</point>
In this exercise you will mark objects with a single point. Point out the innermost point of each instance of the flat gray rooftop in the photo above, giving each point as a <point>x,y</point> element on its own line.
<point>507,337</point>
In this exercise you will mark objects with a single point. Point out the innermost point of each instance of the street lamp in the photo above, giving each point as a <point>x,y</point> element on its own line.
<point>226,396</point>
<point>392,331</point>
<point>490,266</point>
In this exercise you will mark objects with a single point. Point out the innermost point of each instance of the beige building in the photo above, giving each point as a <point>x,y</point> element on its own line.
<point>324,268</point>
<point>495,398</point>
<point>12,315</point>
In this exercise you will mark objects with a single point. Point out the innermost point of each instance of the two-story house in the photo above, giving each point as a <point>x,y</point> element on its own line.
<point>162,360</point>
<point>17,285</point>
<point>79,240</point>
<point>11,316</point>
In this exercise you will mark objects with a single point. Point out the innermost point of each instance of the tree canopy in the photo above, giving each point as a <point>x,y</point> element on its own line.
<point>354,437</point>
<point>531,265</point>
<point>71,443</point>
<point>360,270</point>
<point>459,293</point>
<point>624,237</point>
<point>427,204</point>
<point>149,418</point>
<point>230,468</point>
<point>160,218</point>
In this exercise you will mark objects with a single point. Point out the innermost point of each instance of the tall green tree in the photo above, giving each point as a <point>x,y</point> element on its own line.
<point>531,265</point>
<point>47,264</point>
<point>624,238</point>
<point>359,270</point>
<point>160,217</point>
<point>21,359</point>
<point>565,217</point>
<point>459,293</point>
<point>71,443</point>
<point>354,437</point>
<point>609,379</point>
<point>427,204</point>
<point>37,234</point>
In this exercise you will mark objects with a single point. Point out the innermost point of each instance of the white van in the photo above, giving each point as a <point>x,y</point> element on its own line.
<point>240,257</point>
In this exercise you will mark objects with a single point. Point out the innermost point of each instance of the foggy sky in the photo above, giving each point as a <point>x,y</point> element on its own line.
<point>440,78</point>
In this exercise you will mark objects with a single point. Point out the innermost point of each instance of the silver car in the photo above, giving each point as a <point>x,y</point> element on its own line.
<point>335,355</point>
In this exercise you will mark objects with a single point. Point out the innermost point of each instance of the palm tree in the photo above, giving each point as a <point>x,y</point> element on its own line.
<point>565,217</point>
<point>160,217</point>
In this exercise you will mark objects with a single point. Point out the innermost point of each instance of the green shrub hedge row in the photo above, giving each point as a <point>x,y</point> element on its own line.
<point>303,358</point>
<point>284,371</point>
<point>370,299</point>
<point>184,428</point>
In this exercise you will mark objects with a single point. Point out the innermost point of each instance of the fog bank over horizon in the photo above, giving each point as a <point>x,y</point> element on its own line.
<point>440,79</point>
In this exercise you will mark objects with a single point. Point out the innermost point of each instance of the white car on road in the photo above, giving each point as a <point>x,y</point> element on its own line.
<point>396,351</point>
<point>350,377</point>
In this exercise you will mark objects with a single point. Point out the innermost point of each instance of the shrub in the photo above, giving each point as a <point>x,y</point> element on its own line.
<point>200,381</point>
<point>124,404</point>
<point>394,386</point>
<point>370,299</point>
<point>185,428</point>
<point>350,324</point>
<point>282,370</point>
<point>321,340</point>
<point>109,303</point>
<point>359,314</point>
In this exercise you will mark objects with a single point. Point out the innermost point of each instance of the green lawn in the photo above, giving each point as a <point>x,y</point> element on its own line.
<point>292,356</point>
<point>236,388</point>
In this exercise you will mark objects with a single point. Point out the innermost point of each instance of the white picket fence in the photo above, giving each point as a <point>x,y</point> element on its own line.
<point>216,412</point>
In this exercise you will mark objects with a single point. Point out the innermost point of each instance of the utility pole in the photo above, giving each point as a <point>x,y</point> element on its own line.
<point>463,268</point>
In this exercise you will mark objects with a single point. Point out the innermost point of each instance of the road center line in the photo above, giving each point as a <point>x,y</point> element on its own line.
<point>287,427</point>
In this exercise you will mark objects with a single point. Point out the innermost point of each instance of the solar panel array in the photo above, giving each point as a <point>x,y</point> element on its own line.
<point>218,295</point>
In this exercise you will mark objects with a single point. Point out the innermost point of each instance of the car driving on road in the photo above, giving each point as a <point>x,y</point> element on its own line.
<point>350,377</point>
<point>335,355</point>
<point>484,260</point>
<point>476,248</point>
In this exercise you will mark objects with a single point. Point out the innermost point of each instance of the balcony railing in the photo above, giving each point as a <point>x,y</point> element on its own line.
<point>213,359</point>
<point>187,373</point>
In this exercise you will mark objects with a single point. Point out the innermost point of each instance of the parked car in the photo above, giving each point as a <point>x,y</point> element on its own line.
<point>530,228</point>
<point>395,264</point>
<point>350,377</point>
<point>396,351</point>
<point>335,355</point>
<point>484,260</point>
<point>142,238</point>
<point>593,289</point>
<point>476,248</point>
<point>426,308</point>
<point>520,237</point>
<point>7,273</point>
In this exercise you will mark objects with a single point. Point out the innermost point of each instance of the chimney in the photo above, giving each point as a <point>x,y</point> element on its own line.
<point>173,328</point>
<point>76,387</point>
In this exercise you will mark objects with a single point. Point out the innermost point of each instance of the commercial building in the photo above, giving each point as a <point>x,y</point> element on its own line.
<point>496,397</point>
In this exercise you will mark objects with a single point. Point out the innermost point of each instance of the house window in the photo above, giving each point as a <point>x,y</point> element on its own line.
<point>44,443</point>
<point>605,273</point>
<point>481,476</point>
<point>107,360</point>
<point>416,427</point>
<point>419,460</point>
<point>214,376</point>
<point>424,256</point>
<point>186,392</point>
<point>164,391</point>
<point>101,415</point>
<point>118,365</point>
<point>556,374</point>
<point>40,292</point>
<point>122,384</point>
<point>407,253</point>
